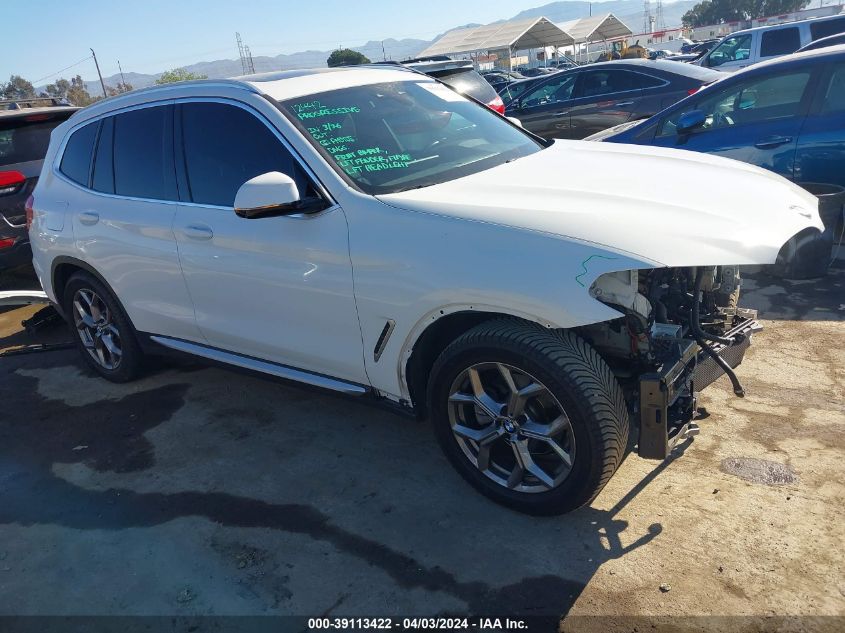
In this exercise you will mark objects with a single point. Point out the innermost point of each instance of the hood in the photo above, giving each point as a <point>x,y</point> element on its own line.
<point>674,207</point>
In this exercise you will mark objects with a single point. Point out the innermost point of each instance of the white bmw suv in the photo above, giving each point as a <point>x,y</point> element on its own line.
<point>370,231</point>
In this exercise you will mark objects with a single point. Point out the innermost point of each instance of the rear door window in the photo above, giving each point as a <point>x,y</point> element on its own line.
<point>826,28</point>
<point>780,42</point>
<point>76,160</point>
<point>596,83</point>
<point>143,154</point>
<point>225,146</point>
<point>752,101</point>
<point>103,179</point>
<point>834,95</point>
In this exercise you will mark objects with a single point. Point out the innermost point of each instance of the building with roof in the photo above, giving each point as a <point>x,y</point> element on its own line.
<point>502,39</point>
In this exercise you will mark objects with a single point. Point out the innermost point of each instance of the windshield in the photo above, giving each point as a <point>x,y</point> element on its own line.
<point>391,137</point>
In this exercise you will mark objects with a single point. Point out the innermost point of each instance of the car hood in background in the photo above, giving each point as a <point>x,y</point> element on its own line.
<point>669,206</point>
<point>616,129</point>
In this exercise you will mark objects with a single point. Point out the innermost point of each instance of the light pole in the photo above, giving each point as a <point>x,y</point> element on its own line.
<point>99,74</point>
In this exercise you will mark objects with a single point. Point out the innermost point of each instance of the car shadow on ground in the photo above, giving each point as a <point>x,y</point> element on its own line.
<point>52,433</point>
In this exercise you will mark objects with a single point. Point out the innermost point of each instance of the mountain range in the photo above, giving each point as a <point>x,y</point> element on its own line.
<point>629,11</point>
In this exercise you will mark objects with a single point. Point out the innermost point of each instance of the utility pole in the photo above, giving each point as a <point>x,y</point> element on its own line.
<point>122,78</point>
<point>99,74</point>
<point>383,54</point>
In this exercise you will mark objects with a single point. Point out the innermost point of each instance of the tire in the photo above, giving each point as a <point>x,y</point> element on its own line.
<point>575,379</point>
<point>102,331</point>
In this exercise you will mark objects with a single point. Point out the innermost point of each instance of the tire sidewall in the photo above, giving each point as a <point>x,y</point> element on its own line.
<point>586,469</point>
<point>131,354</point>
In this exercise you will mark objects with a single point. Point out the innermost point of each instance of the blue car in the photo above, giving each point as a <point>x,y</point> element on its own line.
<point>786,115</point>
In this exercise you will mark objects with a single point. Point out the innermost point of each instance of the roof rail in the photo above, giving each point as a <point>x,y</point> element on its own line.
<point>36,102</point>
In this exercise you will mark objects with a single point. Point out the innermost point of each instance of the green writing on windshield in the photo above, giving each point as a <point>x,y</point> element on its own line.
<point>336,135</point>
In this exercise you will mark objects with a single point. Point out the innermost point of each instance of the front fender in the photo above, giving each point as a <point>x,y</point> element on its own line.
<point>431,266</point>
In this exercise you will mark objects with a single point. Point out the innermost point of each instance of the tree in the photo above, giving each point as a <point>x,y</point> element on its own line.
<point>77,94</point>
<point>17,88</point>
<point>59,89</point>
<point>346,57</point>
<point>119,89</point>
<point>178,74</point>
<point>718,11</point>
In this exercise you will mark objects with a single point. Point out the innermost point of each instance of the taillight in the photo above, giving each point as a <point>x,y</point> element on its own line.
<point>692,91</point>
<point>7,242</point>
<point>497,105</point>
<point>10,181</point>
<point>28,208</point>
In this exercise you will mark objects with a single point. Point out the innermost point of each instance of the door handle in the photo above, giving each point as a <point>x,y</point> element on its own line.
<point>624,103</point>
<point>89,218</point>
<point>772,141</point>
<point>561,113</point>
<point>198,232</point>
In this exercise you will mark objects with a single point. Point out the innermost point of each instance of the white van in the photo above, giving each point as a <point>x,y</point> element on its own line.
<point>743,48</point>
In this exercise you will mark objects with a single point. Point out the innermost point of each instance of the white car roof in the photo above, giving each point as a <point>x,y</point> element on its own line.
<point>298,83</point>
<point>281,85</point>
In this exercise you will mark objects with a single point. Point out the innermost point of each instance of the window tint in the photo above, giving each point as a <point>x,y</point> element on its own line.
<point>819,30</point>
<point>601,82</point>
<point>648,81</point>
<point>780,42</point>
<point>468,82</point>
<point>558,89</point>
<point>142,154</point>
<point>103,158</point>
<point>225,146</point>
<point>752,101</point>
<point>76,161</point>
<point>834,97</point>
<point>735,48</point>
<point>22,140</point>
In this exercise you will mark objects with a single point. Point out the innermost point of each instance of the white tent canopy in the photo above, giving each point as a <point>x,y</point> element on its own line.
<point>514,35</point>
<point>596,28</point>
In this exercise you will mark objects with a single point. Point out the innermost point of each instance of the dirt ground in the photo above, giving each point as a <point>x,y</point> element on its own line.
<point>200,491</point>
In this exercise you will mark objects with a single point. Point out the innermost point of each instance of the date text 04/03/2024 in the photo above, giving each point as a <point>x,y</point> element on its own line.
<point>409,624</point>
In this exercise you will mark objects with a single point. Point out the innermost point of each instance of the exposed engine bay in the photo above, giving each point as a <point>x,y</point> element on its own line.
<point>681,330</point>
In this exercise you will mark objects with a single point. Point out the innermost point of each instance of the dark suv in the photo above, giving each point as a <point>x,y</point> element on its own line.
<point>25,128</point>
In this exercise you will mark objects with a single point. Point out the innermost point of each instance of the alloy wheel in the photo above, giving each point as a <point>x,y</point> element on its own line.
<point>511,427</point>
<point>98,333</point>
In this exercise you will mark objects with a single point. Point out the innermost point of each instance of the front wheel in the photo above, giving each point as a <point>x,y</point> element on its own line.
<point>534,419</point>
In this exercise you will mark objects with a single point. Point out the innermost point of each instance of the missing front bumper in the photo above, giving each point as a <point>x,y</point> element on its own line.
<point>667,397</point>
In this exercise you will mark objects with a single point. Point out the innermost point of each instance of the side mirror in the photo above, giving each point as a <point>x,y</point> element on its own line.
<point>270,194</point>
<point>690,121</point>
<point>514,120</point>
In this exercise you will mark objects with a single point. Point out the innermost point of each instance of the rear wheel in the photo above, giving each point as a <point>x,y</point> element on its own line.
<point>534,419</point>
<point>101,330</point>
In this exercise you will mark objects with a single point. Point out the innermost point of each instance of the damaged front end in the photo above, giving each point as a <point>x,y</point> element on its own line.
<point>680,332</point>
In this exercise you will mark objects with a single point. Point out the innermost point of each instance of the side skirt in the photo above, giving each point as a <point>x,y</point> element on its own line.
<point>263,366</point>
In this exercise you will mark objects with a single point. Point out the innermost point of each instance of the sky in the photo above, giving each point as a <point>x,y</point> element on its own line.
<point>149,36</point>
